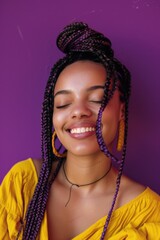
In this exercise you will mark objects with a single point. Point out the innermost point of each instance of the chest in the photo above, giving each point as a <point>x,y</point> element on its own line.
<point>82,210</point>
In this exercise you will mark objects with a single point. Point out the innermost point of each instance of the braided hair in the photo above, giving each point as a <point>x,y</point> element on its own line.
<point>78,42</point>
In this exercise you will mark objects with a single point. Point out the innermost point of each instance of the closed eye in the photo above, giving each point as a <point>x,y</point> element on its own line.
<point>98,102</point>
<point>62,106</point>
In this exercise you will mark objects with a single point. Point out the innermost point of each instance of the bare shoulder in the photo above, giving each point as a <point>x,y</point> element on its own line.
<point>37,164</point>
<point>129,190</point>
<point>132,186</point>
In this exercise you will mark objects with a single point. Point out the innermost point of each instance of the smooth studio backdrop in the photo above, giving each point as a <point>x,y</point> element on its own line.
<point>28,31</point>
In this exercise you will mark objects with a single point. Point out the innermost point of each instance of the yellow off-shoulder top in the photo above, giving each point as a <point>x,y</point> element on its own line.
<point>137,220</point>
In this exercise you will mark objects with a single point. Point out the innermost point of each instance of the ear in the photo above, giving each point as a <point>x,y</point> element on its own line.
<point>122,111</point>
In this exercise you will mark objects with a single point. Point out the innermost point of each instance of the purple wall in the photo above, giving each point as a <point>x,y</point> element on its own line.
<point>28,30</point>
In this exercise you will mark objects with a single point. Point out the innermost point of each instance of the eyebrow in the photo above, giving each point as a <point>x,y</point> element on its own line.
<point>95,87</point>
<point>88,90</point>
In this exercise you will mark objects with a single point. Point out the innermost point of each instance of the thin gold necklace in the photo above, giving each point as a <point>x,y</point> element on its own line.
<point>81,185</point>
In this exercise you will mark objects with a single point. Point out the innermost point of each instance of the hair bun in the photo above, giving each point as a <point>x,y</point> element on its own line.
<point>79,37</point>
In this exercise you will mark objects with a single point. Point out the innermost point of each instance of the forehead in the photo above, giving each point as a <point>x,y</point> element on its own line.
<point>81,74</point>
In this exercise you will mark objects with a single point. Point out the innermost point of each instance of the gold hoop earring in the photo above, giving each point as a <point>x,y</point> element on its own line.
<point>56,153</point>
<point>120,141</point>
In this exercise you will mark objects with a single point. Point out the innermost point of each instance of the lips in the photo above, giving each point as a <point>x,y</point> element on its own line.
<point>81,130</point>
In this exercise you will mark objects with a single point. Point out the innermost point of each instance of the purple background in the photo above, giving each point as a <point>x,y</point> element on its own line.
<point>28,31</point>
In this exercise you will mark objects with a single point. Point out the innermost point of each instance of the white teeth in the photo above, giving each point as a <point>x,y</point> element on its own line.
<point>82,130</point>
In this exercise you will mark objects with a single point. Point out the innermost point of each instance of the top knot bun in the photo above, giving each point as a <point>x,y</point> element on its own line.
<point>78,37</point>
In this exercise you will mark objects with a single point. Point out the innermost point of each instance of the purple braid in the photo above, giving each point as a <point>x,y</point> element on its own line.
<point>37,205</point>
<point>107,153</point>
<point>119,175</point>
<point>107,96</point>
<point>78,42</point>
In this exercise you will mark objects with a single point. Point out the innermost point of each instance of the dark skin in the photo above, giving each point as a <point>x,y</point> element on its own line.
<point>76,107</point>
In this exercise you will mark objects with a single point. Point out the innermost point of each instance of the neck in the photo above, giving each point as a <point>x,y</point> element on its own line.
<point>85,184</point>
<point>84,170</point>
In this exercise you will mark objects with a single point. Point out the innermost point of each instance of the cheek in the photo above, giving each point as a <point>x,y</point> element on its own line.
<point>110,122</point>
<point>57,120</point>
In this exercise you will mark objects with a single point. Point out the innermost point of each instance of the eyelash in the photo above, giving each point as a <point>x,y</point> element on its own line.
<point>98,102</point>
<point>62,106</point>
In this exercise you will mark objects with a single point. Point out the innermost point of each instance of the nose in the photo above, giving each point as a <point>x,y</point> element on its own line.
<point>81,110</point>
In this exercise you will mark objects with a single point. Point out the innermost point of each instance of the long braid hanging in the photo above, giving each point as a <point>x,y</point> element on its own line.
<point>119,174</point>
<point>78,42</point>
<point>126,76</point>
<point>37,205</point>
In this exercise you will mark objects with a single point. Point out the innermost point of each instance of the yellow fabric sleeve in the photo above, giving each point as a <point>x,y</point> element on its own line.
<point>137,220</point>
<point>16,191</point>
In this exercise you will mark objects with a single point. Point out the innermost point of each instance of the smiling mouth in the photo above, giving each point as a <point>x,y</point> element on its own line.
<point>82,130</point>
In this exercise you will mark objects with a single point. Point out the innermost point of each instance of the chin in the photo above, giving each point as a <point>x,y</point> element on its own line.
<point>82,152</point>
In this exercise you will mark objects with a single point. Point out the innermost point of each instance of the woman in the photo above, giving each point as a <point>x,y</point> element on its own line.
<point>78,194</point>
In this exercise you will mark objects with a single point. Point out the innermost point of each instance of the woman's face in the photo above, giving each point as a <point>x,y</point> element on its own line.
<point>77,98</point>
